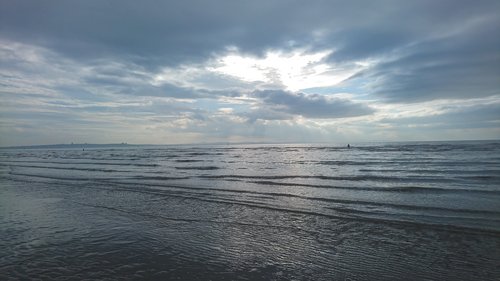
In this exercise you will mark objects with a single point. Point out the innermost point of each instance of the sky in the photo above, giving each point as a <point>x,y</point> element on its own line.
<point>197,71</point>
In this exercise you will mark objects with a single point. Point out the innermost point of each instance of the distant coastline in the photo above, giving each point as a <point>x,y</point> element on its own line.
<point>71,145</point>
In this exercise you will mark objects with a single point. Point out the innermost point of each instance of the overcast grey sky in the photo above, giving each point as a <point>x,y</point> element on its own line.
<point>162,72</point>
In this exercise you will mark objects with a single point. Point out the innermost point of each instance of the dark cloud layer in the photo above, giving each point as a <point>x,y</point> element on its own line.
<point>447,48</point>
<point>442,49</point>
<point>462,65</point>
<point>311,105</point>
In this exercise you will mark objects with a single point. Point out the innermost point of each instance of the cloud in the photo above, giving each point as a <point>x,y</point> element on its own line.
<point>178,69</point>
<point>156,33</point>
<point>461,116</point>
<point>193,30</point>
<point>310,105</point>
<point>461,65</point>
<point>422,50</point>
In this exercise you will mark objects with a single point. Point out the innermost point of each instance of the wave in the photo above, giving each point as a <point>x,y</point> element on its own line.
<point>160,178</point>
<point>72,178</point>
<point>271,180</point>
<point>82,163</point>
<point>431,171</point>
<point>203,154</point>
<point>189,160</point>
<point>412,162</point>
<point>321,177</point>
<point>333,178</point>
<point>69,168</point>
<point>203,168</point>
<point>388,189</point>
<point>260,194</point>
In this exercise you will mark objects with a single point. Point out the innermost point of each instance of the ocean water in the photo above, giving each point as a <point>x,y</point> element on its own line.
<point>383,211</point>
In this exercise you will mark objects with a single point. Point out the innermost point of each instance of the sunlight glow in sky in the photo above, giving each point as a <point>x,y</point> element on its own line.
<point>295,71</point>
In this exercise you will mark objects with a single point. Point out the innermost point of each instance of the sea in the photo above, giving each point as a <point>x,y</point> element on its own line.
<point>374,211</point>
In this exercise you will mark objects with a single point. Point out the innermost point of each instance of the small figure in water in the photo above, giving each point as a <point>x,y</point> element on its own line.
<point>348,146</point>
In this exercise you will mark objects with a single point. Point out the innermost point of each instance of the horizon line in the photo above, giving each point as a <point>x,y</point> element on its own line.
<point>82,145</point>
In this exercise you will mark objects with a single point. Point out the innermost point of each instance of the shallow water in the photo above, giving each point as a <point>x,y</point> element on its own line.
<point>248,212</point>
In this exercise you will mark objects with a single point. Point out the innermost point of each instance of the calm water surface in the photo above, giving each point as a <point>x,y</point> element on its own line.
<point>418,211</point>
